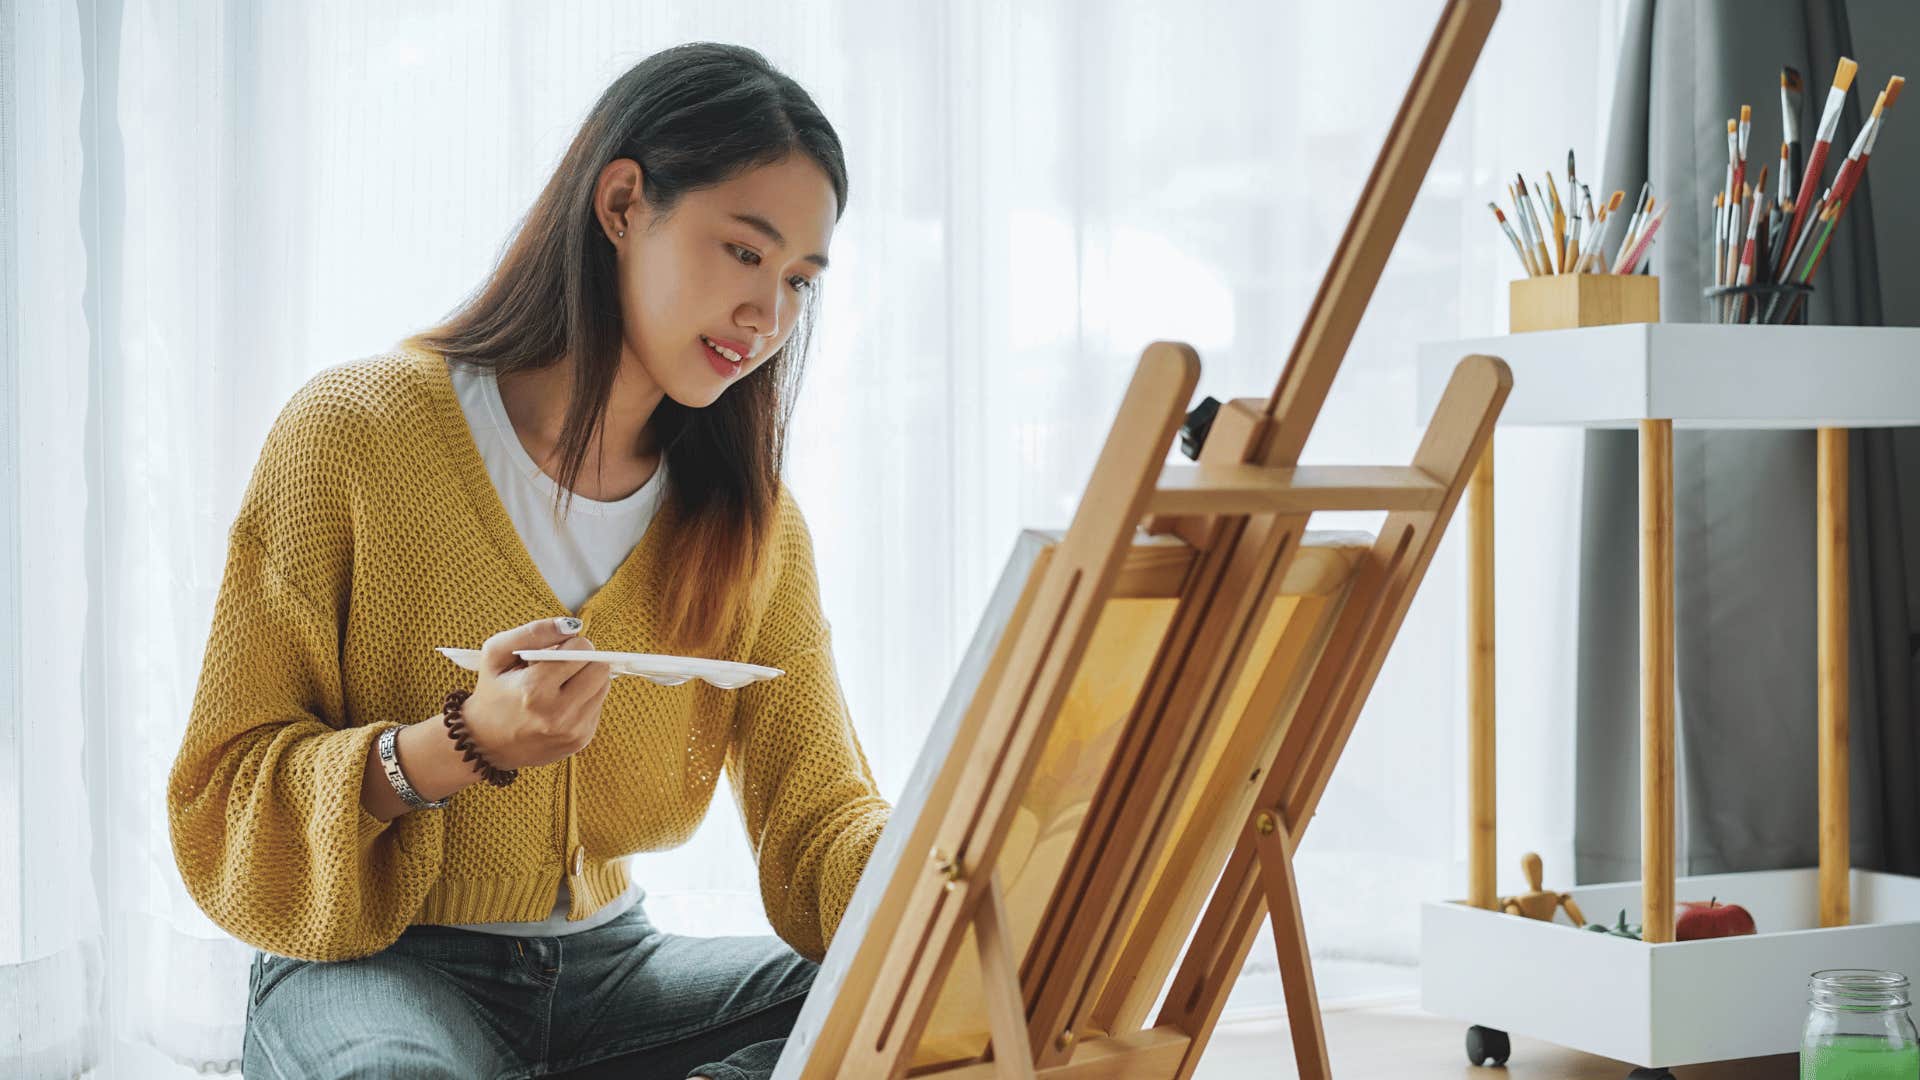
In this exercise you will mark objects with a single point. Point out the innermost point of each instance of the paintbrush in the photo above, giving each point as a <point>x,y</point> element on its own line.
<point>1639,214</point>
<point>1844,198</point>
<point>1607,211</point>
<point>1632,220</point>
<point>1825,228</point>
<point>1591,228</point>
<point>1730,189</point>
<point>1736,228</point>
<point>1800,242</point>
<point>1763,247</point>
<point>1740,146</point>
<point>1776,218</point>
<point>1857,158</point>
<point>1634,225</point>
<point>1532,213</point>
<point>1846,176</point>
<point>1719,248</point>
<point>1744,276</point>
<point>1573,212</point>
<point>1786,182</point>
<point>1823,138</point>
<point>1593,261</point>
<point>1790,108</point>
<point>1559,244</point>
<point>1526,234</point>
<point>1525,263</point>
<point>1640,246</point>
<point>1790,256</point>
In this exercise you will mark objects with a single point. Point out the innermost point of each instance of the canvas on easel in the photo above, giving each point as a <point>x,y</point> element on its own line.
<point>1137,613</point>
<point>1147,718</point>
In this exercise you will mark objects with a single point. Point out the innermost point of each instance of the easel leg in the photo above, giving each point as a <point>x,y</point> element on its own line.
<point>1000,980</point>
<point>1832,605</point>
<point>1274,845</point>
<point>1656,680</point>
<point>1482,835</point>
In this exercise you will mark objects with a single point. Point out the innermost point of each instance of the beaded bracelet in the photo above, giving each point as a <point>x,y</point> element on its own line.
<point>463,740</point>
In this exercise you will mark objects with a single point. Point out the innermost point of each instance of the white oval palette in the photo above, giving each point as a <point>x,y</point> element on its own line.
<point>654,667</point>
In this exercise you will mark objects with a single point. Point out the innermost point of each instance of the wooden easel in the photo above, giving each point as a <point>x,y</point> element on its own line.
<point>1071,1002</point>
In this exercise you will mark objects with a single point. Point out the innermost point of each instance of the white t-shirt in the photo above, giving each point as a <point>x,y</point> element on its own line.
<point>576,556</point>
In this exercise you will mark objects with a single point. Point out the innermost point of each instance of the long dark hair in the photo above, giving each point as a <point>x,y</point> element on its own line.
<point>693,116</point>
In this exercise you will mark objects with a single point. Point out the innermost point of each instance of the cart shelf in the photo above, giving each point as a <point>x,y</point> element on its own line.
<point>1659,1002</point>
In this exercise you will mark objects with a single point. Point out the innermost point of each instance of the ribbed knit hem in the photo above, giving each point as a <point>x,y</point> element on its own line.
<point>453,901</point>
<point>370,827</point>
<point>457,902</point>
<point>599,886</point>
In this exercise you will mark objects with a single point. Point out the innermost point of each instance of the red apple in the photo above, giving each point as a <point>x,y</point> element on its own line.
<point>1711,920</point>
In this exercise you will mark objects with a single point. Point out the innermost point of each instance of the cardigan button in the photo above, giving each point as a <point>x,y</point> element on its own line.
<point>579,861</point>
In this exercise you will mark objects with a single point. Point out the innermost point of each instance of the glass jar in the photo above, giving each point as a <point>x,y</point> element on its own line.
<point>1858,1028</point>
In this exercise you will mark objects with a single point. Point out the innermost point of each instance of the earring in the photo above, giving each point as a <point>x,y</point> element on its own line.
<point>623,232</point>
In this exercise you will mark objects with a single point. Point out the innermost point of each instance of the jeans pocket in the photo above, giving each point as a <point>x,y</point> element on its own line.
<point>269,971</point>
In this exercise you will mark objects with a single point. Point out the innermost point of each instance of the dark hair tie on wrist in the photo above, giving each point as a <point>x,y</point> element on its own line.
<point>462,737</point>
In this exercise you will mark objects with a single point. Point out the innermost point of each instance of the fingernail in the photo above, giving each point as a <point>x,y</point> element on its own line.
<point>567,624</point>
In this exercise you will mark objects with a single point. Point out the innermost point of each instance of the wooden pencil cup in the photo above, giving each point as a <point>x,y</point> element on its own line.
<point>1564,301</point>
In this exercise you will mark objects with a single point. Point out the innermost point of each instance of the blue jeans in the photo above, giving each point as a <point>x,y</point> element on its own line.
<point>624,1000</point>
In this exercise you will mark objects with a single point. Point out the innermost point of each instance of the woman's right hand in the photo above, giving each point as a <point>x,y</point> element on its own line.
<point>524,714</point>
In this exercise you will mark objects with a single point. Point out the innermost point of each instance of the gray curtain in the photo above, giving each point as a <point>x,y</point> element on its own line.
<point>1743,501</point>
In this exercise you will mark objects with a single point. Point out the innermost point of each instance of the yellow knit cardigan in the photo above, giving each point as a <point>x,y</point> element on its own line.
<point>369,533</point>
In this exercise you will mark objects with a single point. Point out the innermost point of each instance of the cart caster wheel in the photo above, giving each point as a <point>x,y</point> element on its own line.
<point>1485,1046</point>
<point>1649,1074</point>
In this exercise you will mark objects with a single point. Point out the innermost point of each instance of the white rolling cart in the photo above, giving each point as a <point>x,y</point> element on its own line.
<point>1659,1003</point>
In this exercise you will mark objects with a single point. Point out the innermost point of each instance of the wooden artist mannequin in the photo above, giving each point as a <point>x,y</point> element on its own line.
<point>1540,904</point>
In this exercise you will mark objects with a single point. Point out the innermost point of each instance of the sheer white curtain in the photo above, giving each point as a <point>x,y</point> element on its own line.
<point>202,205</point>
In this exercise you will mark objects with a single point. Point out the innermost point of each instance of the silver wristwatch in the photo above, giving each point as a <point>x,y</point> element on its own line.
<point>390,760</point>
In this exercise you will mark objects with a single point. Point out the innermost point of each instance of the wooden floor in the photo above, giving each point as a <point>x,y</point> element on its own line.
<point>1403,1043</point>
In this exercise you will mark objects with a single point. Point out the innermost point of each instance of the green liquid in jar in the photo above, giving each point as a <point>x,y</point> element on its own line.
<point>1860,1057</point>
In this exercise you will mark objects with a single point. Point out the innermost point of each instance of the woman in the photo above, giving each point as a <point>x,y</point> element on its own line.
<point>327,803</point>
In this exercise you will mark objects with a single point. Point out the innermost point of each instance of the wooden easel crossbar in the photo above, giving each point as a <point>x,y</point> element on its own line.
<point>1254,684</point>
